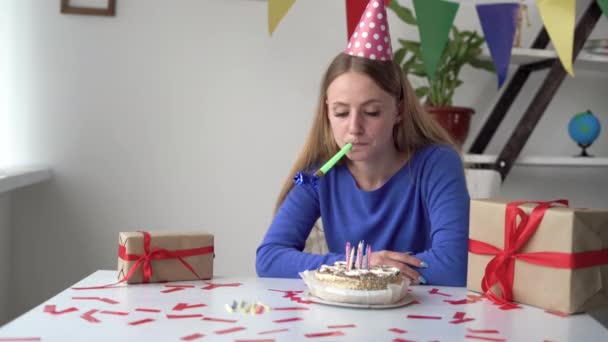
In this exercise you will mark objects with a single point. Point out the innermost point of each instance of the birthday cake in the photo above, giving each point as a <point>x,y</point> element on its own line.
<point>355,281</point>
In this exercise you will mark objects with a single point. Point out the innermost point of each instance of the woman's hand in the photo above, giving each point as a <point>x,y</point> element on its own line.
<point>401,261</point>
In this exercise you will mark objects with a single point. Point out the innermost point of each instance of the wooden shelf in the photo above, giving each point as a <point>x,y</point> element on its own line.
<point>541,160</point>
<point>584,61</point>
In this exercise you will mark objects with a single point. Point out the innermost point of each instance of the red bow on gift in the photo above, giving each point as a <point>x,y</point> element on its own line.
<point>150,254</point>
<point>501,269</point>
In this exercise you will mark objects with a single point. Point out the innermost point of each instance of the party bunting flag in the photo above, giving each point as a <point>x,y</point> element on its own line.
<point>604,6</point>
<point>277,9</point>
<point>498,24</point>
<point>558,17</point>
<point>435,18</point>
<point>354,10</point>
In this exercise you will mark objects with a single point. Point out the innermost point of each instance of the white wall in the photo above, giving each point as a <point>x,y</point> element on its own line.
<point>186,115</point>
<point>5,255</point>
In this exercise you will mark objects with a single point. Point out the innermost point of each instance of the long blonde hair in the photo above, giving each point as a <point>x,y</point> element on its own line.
<point>415,130</point>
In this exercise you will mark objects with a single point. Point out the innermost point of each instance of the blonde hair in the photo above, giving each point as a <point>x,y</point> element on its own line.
<point>415,130</point>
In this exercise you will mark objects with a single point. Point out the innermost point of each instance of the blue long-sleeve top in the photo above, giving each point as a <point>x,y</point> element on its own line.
<point>423,209</point>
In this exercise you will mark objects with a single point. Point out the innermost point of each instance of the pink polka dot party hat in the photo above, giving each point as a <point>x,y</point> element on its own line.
<point>371,38</point>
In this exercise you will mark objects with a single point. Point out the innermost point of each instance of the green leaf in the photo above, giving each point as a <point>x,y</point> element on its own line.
<point>481,64</point>
<point>422,91</point>
<point>399,55</point>
<point>404,13</point>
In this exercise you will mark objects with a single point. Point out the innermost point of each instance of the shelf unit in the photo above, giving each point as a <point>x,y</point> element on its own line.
<point>529,60</point>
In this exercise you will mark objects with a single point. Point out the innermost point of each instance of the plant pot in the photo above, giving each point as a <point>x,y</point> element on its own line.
<point>455,120</point>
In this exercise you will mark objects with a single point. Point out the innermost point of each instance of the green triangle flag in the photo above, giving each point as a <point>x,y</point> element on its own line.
<point>604,6</point>
<point>435,19</point>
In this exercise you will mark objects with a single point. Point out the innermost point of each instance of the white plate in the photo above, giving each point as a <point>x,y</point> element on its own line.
<point>405,301</point>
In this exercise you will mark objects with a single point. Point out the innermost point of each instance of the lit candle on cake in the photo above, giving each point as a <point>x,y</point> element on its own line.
<point>368,255</point>
<point>359,255</point>
<point>350,259</point>
<point>347,253</point>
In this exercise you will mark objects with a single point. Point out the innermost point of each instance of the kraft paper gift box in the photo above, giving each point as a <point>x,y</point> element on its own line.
<point>582,233</point>
<point>173,256</point>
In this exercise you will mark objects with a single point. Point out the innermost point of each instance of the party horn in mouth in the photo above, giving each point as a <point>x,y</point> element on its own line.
<point>303,178</point>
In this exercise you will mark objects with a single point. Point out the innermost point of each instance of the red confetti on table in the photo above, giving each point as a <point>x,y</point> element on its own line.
<point>272,331</point>
<point>397,330</point>
<point>142,321</point>
<point>285,320</point>
<point>192,337</point>
<point>458,302</point>
<point>464,320</point>
<point>473,337</point>
<point>19,339</point>
<point>402,340</point>
<point>88,316</point>
<point>147,310</point>
<point>325,334</point>
<point>423,317</point>
<point>475,298</point>
<point>184,306</point>
<point>293,296</point>
<point>557,313</point>
<point>105,300</point>
<point>117,313</point>
<point>52,309</point>
<point>211,319</point>
<point>231,330</point>
<point>173,289</point>
<point>212,286</point>
<point>341,326</point>
<point>266,340</point>
<point>509,306</point>
<point>436,291</point>
<point>184,316</point>
<point>291,308</point>
<point>481,331</point>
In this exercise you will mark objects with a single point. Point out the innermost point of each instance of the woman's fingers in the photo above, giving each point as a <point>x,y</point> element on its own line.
<point>405,258</point>
<point>400,261</point>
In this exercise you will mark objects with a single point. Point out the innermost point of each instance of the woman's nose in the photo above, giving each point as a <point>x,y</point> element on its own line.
<point>355,124</point>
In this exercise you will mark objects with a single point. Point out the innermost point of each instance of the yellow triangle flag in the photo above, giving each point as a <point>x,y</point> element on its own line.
<point>276,11</point>
<point>558,17</point>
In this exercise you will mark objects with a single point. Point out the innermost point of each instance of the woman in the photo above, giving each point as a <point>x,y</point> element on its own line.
<point>401,188</point>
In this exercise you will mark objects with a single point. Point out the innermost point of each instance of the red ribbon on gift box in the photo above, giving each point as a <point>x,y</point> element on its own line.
<point>150,254</point>
<point>501,269</point>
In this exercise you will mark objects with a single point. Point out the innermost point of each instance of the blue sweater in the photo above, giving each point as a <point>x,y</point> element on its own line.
<point>423,208</point>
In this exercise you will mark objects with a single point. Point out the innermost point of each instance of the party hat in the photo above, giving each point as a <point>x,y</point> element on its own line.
<point>371,38</point>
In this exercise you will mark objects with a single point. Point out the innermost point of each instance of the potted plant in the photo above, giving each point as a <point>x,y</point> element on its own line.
<point>462,48</point>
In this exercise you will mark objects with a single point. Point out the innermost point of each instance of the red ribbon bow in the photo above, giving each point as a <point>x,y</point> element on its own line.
<point>155,253</point>
<point>501,269</point>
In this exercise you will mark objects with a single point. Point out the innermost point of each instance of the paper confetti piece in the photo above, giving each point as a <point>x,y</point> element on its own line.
<point>464,320</point>
<point>173,289</point>
<point>291,308</point>
<point>458,302</point>
<point>147,310</point>
<point>19,339</point>
<point>423,317</point>
<point>88,316</point>
<point>117,313</point>
<point>272,331</point>
<point>192,337</point>
<point>325,334</point>
<point>105,300</point>
<point>184,306</point>
<point>341,326</point>
<point>286,320</point>
<point>509,306</point>
<point>184,316</point>
<point>183,286</point>
<point>473,337</point>
<point>481,331</point>
<point>557,313</point>
<point>52,309</point>
<point>212,286</point>
<point>266,340</point>
<point>211,319</point>
<point>228,331</point>
<point>436,291</point>
<point>142,321</point>
<point>459,315</point>
<point>397,330</point>
<point>402,340</point>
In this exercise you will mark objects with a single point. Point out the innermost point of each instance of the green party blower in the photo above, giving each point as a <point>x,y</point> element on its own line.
<point>330,163</point>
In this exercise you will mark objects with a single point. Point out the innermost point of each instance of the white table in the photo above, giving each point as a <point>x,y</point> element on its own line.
<point>108,315</point>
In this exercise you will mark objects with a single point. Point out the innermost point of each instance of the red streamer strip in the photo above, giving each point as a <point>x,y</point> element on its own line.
<point>291,308</point>
<point>402,340</point>
<point>52,309</point>
<point>184,306</point>
<point>117,313</point>
<point>325,334</point>
<point>184,316</point>
<point>266,340</point>
<point>19,339</point>
<point>473,337</point>
<point>272,331</point>
<point>105,300</point>
<point>177,285</point>
<point>423,317</point>
<point>88,316</point>
<point>147,310</point>
<point>212,286</point>
<point>142,321</point>
<point>211,319</point>
<point>436,291</point>
<point>174,289</point>
<point>286,320</point>
<point>481,331</point>
<point>192,337</point>
<point>228,331</point>
<point>397,330</point>
<point>458,302</point>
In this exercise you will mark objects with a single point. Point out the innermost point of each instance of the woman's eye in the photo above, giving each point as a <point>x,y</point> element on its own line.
<point>372,113</point>
<point>341,114</point>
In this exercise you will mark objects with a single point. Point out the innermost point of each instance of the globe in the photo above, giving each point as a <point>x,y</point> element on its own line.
<point>584,128</point>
